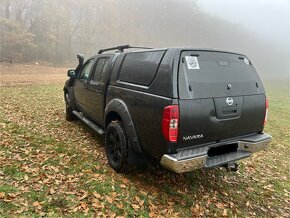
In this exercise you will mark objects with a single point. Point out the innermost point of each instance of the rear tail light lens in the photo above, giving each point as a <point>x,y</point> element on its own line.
<point>170,120</point>
<point>266,111</point>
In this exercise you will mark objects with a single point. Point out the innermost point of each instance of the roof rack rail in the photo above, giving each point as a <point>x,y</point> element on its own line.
<point>120,48</point>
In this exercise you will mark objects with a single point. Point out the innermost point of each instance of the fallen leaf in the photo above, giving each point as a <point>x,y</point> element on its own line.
<point>97,195</point>
<point>84,196</point>
<point>219,205</point>
<point>109,199</point>
<point>224,193</point>
<point>84,205</point>
<point>225,213</point>
<point>35,204</point>
<point>51,191</point>
<point>135,206</point>
<point>123,186</point>
<point>141,203</point>
<point>76,209</point>
<point>2,195</point>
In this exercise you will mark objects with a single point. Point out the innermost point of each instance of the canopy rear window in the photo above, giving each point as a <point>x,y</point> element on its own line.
<point>206,74</point>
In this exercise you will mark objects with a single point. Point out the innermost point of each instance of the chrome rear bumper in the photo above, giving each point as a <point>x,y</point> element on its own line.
<point>196,158</point>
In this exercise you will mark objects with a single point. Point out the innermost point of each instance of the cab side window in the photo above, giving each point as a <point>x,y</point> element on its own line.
<point>86,70</point>
<point>99,69</point>
<point>140,67</point>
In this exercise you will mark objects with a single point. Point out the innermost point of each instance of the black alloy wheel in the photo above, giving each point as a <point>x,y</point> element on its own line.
<point>116,146</point>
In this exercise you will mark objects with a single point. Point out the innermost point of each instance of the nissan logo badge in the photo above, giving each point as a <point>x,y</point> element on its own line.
<point>230,101</point>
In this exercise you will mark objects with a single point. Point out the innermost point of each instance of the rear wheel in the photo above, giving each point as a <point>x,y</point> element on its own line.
<point>68,109</point>
<point>116,146</point>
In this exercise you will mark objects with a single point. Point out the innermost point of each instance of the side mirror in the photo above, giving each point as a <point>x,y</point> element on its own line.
<point>72,74</point>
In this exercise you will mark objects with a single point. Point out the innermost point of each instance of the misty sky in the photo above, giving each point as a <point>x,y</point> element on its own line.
<point>270,19</point>
<point>267,19</point>
<point>259,29</point>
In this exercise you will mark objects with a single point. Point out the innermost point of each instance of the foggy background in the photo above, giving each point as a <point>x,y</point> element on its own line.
<point>54,31</point>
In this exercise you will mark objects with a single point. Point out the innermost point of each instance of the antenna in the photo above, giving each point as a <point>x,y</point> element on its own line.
<point>120,48</point>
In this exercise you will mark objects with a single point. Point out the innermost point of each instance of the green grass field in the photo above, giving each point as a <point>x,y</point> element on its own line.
<point>50,167</point>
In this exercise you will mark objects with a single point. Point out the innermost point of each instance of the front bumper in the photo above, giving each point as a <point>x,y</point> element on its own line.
<point>196,158</point>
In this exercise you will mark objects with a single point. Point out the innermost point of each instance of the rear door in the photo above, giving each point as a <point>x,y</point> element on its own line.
<point>221,97</point>
<point>96,88</point>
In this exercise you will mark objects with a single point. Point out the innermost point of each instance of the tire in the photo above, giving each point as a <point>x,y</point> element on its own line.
<point>69,116</point>
<point>116,146</point>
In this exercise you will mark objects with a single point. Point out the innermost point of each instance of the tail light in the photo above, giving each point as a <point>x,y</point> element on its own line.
<point>170,120</point>
<point>266,111</point>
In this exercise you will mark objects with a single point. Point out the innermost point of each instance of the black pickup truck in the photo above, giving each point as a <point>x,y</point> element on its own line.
<point>187,108</point>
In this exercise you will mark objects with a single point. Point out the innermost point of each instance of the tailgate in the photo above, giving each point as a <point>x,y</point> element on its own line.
<point>221,97</point>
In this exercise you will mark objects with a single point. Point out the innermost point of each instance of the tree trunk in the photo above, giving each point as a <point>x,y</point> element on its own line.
<point>7,10</point>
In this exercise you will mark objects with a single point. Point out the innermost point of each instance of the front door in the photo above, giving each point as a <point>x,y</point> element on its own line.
<point>81,84</point>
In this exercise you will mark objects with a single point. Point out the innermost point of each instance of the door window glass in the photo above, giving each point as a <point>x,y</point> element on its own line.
<point>100,68</point>
<point>86,70</point>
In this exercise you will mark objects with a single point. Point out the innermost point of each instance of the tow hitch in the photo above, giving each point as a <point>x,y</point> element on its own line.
<point>231,167</point>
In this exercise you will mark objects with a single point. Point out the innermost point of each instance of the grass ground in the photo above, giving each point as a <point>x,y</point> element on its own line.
<point>51,167</point>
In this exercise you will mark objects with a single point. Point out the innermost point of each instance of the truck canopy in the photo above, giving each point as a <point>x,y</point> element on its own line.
<point>220,97</point>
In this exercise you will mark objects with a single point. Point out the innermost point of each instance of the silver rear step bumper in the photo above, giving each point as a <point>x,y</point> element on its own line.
<point>196,158</point>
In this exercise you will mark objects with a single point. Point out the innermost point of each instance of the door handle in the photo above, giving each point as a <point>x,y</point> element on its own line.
<point>99,89</point>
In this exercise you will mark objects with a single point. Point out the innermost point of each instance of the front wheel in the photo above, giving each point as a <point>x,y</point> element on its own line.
<point>68,109</point>
<point>116,146</point>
